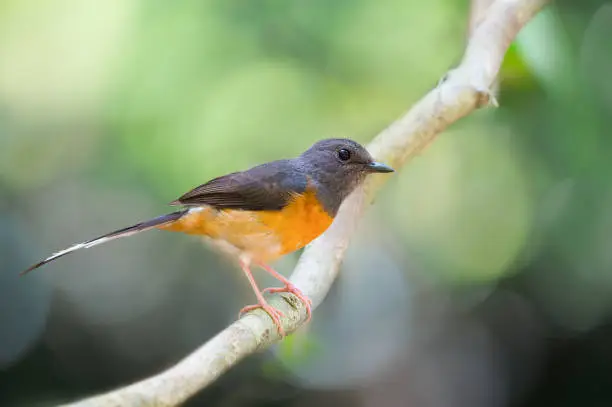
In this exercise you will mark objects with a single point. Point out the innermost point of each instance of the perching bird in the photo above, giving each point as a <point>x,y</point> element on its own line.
<point>265,212</point>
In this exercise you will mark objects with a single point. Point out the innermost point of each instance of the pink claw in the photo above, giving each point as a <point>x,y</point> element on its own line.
<point>290,288</point>
<point>275,314</point>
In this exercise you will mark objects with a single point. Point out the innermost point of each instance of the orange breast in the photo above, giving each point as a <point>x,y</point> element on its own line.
<point>263,235</point>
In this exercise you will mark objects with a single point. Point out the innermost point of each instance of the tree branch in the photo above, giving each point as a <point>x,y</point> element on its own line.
<point>478,11</point>
<point>464,89</point>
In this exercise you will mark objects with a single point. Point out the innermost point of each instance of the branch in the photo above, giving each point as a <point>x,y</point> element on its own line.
<point>478,11</point>
<point>464,89</point>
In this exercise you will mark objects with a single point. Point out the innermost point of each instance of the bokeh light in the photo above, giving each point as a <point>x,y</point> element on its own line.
<point>481,276</point>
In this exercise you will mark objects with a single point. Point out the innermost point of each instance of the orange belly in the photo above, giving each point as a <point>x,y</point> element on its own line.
<point>261,235</point>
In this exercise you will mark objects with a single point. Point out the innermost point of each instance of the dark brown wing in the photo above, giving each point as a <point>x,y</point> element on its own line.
<point>265,187</point>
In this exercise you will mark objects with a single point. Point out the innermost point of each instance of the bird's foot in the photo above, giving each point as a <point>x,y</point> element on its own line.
<point>290,288</point>
<point>275,314</point>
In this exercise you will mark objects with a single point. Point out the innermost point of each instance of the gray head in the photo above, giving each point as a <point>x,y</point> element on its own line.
<point>338,166</point>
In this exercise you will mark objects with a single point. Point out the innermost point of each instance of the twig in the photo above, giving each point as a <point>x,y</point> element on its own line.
<point>464,90</point>
<point>478,11</point>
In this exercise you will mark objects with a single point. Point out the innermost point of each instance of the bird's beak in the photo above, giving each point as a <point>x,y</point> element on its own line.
<point>379,167</point>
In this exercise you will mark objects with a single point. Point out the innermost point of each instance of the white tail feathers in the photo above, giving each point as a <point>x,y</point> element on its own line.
<point>130,230</point>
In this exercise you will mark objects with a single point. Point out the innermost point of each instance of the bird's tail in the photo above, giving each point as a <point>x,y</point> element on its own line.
<point>130,230</point>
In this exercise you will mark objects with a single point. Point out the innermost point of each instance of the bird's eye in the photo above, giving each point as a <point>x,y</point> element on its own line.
<point>344,154</point>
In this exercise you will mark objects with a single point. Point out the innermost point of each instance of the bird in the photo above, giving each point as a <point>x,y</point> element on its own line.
<point>263,213</point>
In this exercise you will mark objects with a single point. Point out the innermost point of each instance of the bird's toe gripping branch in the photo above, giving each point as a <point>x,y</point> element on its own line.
<point>291,289</point>
<point>274,313</point>
<point>288,288</point>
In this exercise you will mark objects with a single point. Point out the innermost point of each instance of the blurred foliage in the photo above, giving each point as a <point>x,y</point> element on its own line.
<point>492,245</point>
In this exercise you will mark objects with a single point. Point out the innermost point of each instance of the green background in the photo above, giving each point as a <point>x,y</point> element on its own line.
<point>482,276</point>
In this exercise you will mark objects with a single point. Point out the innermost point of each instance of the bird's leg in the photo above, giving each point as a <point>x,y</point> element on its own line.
<point>288,288</point>
<point>262,303</point>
